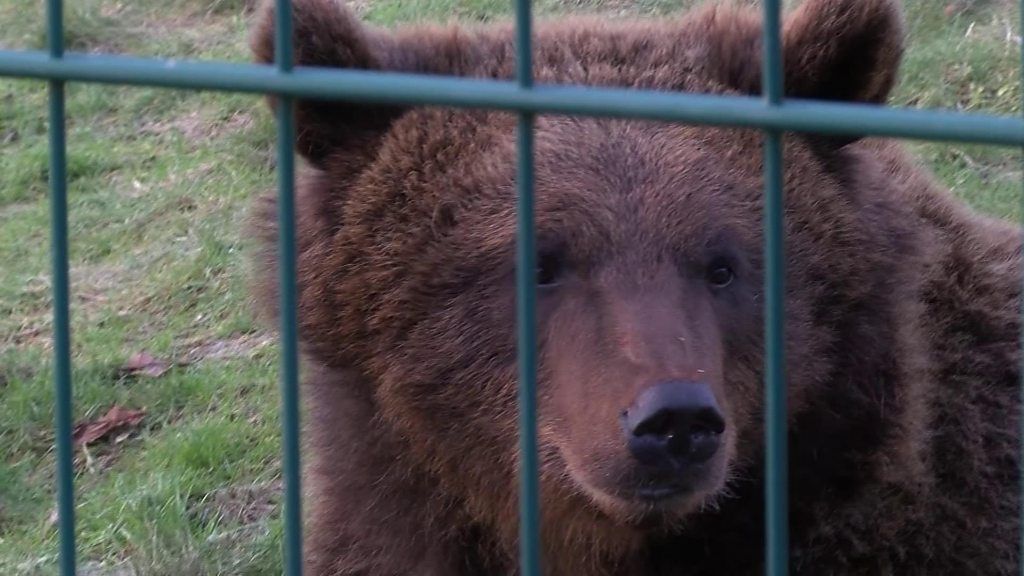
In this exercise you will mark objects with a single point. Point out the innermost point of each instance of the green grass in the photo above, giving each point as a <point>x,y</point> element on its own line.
<point>159,184</point>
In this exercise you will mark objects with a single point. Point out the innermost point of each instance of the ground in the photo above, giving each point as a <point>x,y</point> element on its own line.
<point>159,184</point>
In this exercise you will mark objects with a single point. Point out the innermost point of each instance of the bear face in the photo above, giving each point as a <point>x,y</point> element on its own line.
<point>650,272</point>
<point>635,223</point>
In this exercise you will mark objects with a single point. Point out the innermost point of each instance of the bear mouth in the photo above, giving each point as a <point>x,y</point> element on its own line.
<point>660,493</point>
<point>658,486</point>
<point>655,506</point>
<point>656,499</point>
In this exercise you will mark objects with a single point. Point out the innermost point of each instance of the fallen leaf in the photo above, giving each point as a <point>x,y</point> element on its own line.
<point>117,419</point>
<point>145,364</point>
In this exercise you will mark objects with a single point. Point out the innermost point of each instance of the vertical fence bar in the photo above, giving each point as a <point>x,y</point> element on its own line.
<point>289,324</point>
<point>776,461</point>
<point>526,277</point>
<point>61,292</point>
<point>1020,431</point>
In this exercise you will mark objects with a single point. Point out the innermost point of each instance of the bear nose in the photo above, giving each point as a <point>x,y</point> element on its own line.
<point>674,424</point>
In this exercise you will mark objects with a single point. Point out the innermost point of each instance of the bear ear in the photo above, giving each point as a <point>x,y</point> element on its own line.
<point>848,50</point>
<point>832,49</point>
<point>326,34</point>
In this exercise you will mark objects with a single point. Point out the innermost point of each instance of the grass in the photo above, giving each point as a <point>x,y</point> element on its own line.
<point>159,184</point>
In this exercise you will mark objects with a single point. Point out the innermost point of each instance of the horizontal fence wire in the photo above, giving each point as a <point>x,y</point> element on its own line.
<point>64,450</point>
<point>776,461</point>
<point>290,410</point>
<point>411,89</point>
<point>526,313</point>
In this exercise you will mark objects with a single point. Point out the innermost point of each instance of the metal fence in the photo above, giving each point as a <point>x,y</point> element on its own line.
<point>770,113</point>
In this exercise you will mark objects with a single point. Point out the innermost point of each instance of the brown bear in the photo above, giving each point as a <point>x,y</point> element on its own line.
<point>901,315</point>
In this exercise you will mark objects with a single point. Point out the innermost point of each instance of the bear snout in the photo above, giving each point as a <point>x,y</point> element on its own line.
<point>673,425</point>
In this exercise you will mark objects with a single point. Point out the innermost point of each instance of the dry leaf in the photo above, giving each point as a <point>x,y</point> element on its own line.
<point>117,419</point>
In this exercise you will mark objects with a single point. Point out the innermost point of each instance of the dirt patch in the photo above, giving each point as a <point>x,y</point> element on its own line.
<point>95,283</point>
<point>102,569</point>
<point>637,8</point>
<point>29,334</point>
<point>15,209</point>
<point>239,346</point>
<point>198,127</point>
<point>244,504</point>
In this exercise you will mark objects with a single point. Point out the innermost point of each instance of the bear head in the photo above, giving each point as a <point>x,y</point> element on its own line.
<point>650,270</point>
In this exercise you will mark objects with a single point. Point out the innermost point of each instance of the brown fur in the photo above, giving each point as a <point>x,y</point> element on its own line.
<point>902,317</point>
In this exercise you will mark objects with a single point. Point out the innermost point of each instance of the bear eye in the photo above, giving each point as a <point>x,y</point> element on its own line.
<point>720,274</point>
<point>549,269</point>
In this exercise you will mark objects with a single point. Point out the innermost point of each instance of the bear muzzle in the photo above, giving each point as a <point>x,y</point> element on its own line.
<point>672,430</point>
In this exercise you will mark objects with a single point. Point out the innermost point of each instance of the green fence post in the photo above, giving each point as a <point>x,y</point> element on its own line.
<point>1021,407</point>
<point>776,462</point>
<point>526,277</point>
<point>290,413</point>
<point>61,308</point>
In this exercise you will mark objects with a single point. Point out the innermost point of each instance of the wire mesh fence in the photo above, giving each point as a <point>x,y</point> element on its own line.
<point>771,113</point>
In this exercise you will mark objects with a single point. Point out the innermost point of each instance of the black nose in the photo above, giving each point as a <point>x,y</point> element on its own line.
<point>674,424</point>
